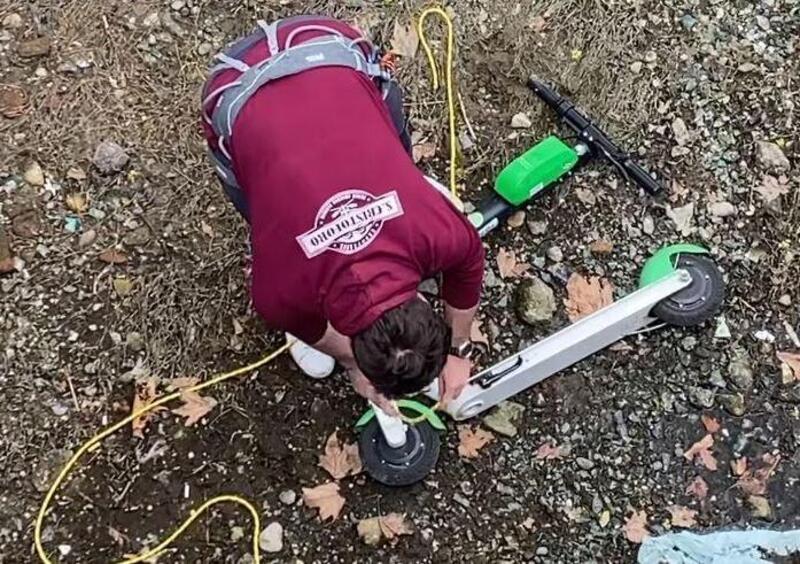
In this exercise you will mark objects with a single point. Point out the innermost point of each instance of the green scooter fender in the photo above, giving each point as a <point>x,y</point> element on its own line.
<point>411,405</point>
<point>661,264</point>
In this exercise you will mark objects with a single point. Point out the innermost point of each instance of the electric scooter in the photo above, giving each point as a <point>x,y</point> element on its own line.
<point>679,285</point>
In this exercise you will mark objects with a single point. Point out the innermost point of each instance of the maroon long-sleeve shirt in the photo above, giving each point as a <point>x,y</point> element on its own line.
<point>343,225</point>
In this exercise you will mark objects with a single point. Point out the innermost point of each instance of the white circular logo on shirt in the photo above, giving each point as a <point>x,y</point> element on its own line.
<point>349,221</point>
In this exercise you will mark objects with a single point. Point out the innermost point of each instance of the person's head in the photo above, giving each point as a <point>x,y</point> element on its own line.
<point>404,350</point>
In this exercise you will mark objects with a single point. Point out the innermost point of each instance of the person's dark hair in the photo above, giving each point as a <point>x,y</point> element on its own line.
<point>404,350</point>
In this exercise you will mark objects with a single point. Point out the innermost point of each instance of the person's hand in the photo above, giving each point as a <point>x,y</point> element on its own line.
<point>365,389</point>
<point>455,377</point>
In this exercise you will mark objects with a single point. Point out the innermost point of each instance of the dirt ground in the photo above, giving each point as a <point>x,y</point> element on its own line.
<point>75,331</point>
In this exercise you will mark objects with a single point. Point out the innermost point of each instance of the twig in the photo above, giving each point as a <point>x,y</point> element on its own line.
<point>464,116</point>
<point>72,391</point>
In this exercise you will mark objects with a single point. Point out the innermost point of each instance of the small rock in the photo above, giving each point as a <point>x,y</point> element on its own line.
<point>109,157</point>
<point>287,497</point>
<point>135,341</point>
<point>521,121</point>
<point>490,279</point>
<point>555,254</point>
<point>205,48</point>
<point>763,22</point>
<point>771,156</point>
<point>138,237</point>
<point>636,66</point>
<point>537,227</point>
<point>237,534</point>
<point>733,403</point>
<point>681,132</point>
<point>722,209</point>
<point>64,549</point>
<point>761,507</point>
<point>689,342</point>
<point>722,331</point>
<point>501,419</point>
<point>688,21</point>
<point>648,225</point>
<point>747,67</point>
<point>12,21</point>
<point>764,335</point>
<point>534,301</point>
<point>34,175</point>
<point>59,409</point>
<point>717,380</point>
<point>177,5</point>
<point>542,551</point>
<point>271,538</point>
<point>785,300</point>
<point>682,217</point>
<point>87,238</point>
<point>38,47</point>
<point>584,463</point>
<point>701,397</point>
<point>740,371</point>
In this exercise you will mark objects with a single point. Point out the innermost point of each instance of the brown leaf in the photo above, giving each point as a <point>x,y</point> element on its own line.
<point>77,202</point>
<point>635,528</point>
<point>711,424</point>
<point>739,466</point>
<point>761,507</point>
<point>13,101</point>
<point>682,516</point>
<point>394,525</point>
<point>550,451</point>
<point>113,256</point>
<point>771,188</point>
<point>6,256</point>
<point>183,382</point>
<point>601,247</point>
<point>701,449</point>
<point>122,286</point>
<point>423,151</point>
<point>476,335</point>
<point>470,442</point>
<point>405,40</point>
<point>516,219</point>
<point>697,488</point>
<point>340,460</point>
<point>326,499</point>
<point>754,481</point>
<point>194,407</point>
<point>144,394</point>
<point>790,366</point>
<point>508,266</point>
<point>585,296</point>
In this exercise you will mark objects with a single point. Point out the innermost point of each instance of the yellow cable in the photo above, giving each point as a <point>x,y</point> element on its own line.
<point>451,106</point>
<point>95,441</point>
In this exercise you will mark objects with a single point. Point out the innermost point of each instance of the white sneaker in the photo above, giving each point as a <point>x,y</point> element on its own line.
<point>312,362</point>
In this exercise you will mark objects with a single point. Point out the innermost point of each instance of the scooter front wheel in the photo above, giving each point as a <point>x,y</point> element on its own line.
<point>700,300</point>
<point>400,466</point>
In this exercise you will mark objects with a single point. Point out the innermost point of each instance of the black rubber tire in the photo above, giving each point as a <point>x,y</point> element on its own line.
<point>399,467</point>
<point>697,302</point>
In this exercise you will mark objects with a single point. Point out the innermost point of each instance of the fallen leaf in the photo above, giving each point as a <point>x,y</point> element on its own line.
<point>340,460</point>
<point>405,40</point>
<point>423,151</point>
<point>601,247</point>
<point>76,173</point>
<point>6,256</point>
<point>476,335</point>
<point>516,219</point>
<point>471,441</point>
<point>585,296</point>
<point>635,528</point>
<point>754,480</point>
<point>697,488</point>
<point>682,217</point>
<point>144,394</point>
<point>739,466</point>
<point>790,366</point>
<point>13,101</point>
<point>550,451</point>
<point>760,505</point>
<point>326,499</point>
<point>113,256</point>
<point>508,266</point>
<point>194,407</point>
<point>77,202</point>
<point>122,286</point>
<point>711,424</point>
<point>771,188</point>
<point>183,382</point>
<point>701,449</point>
<point>586,196</point>
<point>394,525</point>
<point>682,516</point>
<point>369,531</point>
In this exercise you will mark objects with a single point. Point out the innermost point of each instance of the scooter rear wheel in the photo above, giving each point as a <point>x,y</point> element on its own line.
<point>700,300</point>
<point>401,466</point>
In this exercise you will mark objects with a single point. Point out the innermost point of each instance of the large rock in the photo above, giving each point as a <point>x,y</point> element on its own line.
<point>109,157</point>
<point>771,156</point>
<point>534,301</point>
<point>271,538</point>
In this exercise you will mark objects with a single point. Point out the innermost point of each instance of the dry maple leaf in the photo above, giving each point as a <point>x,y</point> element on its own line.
<point>470,442</point>
<point>405,40</point>
<point>682,516</point>
<point>340,460</point>
<point>326,499</point>
<point>183,382</point>
<point>194,407</point>
<point>701,449</point>
<point>394,525</point>
<point>697,488</point>
<point>507,265</point>
<point>77,202</point>
<point>790,366</point>
<point>711,424</point>
<point>754,481</point>
<point>550,451</point>
<point>635,528</point>
<point>423,151</point>
<point>772,188</point>
<point>144,394</point>
<point>113,256</point>
<point>585,296</point>
<point>475,333</point>
<point>739,466</point>
<point>601,247</point>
